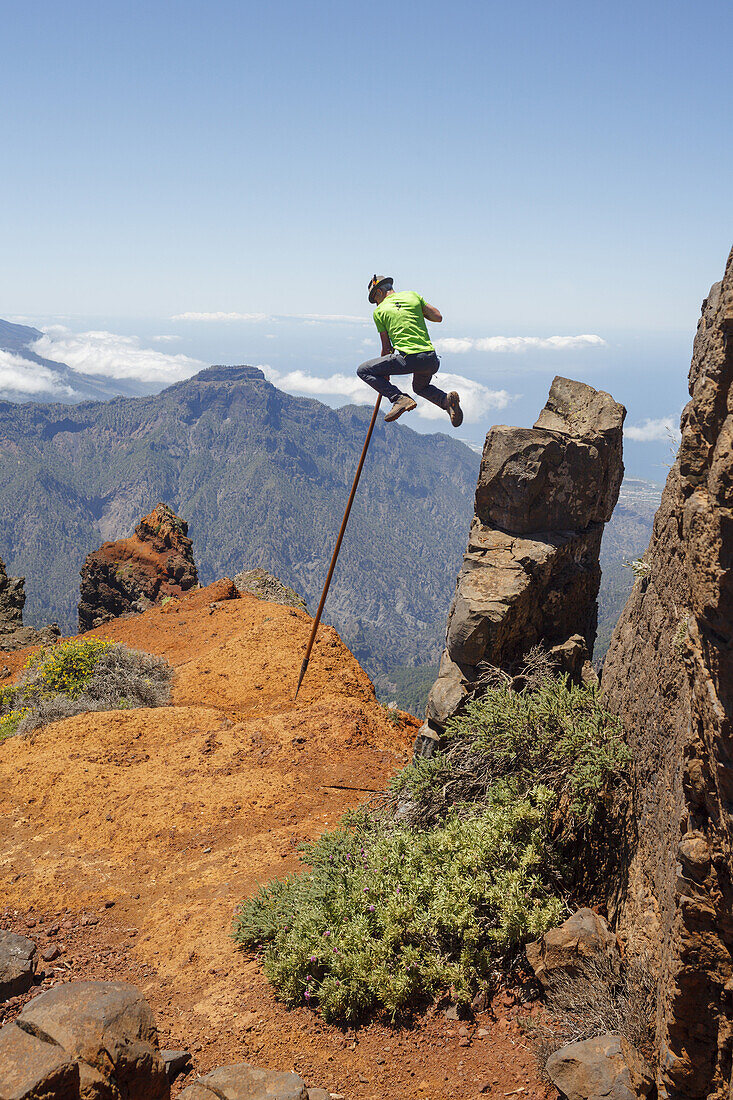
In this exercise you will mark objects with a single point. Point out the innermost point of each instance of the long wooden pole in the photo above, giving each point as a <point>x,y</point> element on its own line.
<point>339,540</point>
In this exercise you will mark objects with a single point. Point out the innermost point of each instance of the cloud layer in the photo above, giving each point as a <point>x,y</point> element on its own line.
<point>663,429</point>
<point>19,376</point>
<point>308,318</point>
<point>518,344</point>
<point>220,317</point>
<point>476,399</point>
<point>107,355</point>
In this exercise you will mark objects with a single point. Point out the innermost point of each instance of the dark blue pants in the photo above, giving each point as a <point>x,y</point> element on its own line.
<point>377,372</point>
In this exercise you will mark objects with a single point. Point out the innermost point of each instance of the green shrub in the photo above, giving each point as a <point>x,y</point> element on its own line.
<point>86,674</point>
<point>386,919</point>
<point>452,871</point>
<point>558,735</point>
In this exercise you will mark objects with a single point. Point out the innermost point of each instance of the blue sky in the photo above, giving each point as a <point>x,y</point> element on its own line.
<point>534,169</point>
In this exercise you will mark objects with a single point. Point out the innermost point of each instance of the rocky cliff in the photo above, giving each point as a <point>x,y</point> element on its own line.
<point>530,574</point>
<point>13,635</point>
<point>136,573</point>
<point>669,674</point>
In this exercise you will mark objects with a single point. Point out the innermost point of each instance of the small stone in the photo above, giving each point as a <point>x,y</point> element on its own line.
<point>451,1013</point>
<point>176,1062</point>
<point>482,1033</point>
<point>17,964</point>
<point>318,1094</point>
<point>583,939</point>
<point>50,953</point>
<point>464,1042</point>
<point>607,1066</point>
<point>108,904</point>
<point>244,1082</point>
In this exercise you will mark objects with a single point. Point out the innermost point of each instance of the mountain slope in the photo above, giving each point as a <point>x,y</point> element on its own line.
<point>625,539</point>
<point>262,478</point>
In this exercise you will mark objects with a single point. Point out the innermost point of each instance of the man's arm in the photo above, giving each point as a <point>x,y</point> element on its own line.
<point>431,312</point>
<point>387,348</point>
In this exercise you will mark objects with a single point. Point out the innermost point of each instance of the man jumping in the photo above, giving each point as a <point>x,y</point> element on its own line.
<point>406,349</point>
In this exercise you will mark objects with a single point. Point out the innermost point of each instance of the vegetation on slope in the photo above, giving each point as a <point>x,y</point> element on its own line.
<point>84,674</point>
<point>463,860</point>
<point>407,686</point>
<point>262,478</point>
<point>625,538</point>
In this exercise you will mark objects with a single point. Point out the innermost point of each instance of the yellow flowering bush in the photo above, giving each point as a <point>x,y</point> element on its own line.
<point>83,674</point>
<point>66,668</point>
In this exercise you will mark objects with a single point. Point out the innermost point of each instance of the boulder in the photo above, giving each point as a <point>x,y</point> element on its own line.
<point>17,964</point>
<point>133,574</point>
<point>33,1067</point>
<point>244,1082</point>
<point>110,1028</point>
<point>606,1068</point>
<point>669,676</point>
<point>574,948</point>
<point>265,586</point>
<point>530,574</point>
<point>563,473</point>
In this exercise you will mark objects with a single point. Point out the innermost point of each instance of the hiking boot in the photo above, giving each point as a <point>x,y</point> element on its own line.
<point>453,408</point>
<point>403,404</point>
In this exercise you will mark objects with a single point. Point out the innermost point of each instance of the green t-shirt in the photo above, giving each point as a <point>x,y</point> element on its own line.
<point>400,316</point>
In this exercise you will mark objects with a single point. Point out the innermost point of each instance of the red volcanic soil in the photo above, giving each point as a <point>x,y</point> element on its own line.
<point>127,839</point>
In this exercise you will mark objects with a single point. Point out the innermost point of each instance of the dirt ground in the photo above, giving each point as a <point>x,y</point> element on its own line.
<point>127,839</point>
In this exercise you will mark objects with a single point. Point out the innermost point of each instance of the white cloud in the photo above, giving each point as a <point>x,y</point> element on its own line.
<point>335,385</point>
<point>476,399</point>
<point>21,376</point>
<point>324,318</point>
<point>663,429</point>
<point>220,317</point>
<point>108,355</point>
<point>166,339</point>
<point>307,318</point>
<point>517,344</point>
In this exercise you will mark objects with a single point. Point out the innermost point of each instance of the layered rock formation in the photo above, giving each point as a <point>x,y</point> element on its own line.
<point>669,675</point>
<point>133,574</point>
<point>530,574</point>
<point>13,635</point>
